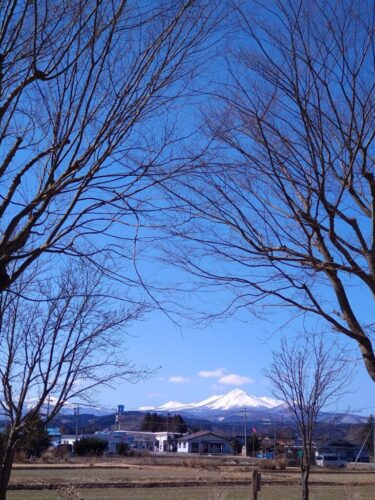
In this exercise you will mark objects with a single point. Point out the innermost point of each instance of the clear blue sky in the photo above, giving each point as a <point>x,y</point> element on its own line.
<point>230,347</point>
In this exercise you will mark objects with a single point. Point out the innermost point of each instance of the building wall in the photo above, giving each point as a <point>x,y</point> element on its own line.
<point>162,441</point>
<point>208,444</point>
<point>182,447</point>
<point>137,440</point>
<point>151,441</point>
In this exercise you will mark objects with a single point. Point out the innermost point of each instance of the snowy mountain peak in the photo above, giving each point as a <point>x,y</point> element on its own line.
<point>172,405</point>
<point>237,398</point>
<point>240,399</point>
<point>236,392</point>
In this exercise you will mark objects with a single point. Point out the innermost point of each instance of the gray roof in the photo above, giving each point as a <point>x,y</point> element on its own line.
<point>199,434</point>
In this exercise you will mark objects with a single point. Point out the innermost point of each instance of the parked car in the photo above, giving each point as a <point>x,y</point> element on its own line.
<point>330,461</point>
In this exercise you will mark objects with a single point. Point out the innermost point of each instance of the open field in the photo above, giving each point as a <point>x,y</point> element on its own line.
<point>191,478</point>
<point>219,493</point>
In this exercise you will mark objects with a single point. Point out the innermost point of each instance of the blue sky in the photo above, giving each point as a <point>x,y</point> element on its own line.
<point>233,352</point>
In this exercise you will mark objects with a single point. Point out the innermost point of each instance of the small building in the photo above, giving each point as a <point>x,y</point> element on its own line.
<point>204,442</point>
<point>113,439</point>
<point>166,441</point>
<point>54,435</point>
<point>135,440</point>
<point>294,452</point>
<point>273,446</point>
<point>344,450</point>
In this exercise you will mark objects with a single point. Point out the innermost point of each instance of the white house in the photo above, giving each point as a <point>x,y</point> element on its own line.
<point>204,442</point>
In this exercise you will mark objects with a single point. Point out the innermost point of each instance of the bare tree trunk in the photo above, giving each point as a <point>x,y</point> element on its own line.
<point>68,332</point>
<point>5,470</point>
<point>307,377</point>
<point>305,483</point>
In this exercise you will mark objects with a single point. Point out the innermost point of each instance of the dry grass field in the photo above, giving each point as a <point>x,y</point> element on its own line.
<point>219,493</point>
<point>191,478</point>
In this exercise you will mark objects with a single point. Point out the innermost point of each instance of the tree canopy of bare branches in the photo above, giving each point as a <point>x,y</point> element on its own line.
<point>283,210</point>
<point>59,343</point>
<point>308,378</point>
<point>88,98</point>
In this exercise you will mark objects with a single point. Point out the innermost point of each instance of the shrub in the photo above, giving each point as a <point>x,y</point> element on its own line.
<point>196,463</point>
<point>281,463</point>
<point>63,451</point>
<point>20,456</point>
<point>47,456</point>
<point>123,449</point>
<point>266,464</point>
<point>278,464</point>
<point>90,446</point>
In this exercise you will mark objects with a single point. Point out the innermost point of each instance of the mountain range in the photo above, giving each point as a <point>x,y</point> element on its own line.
<point>224,408</point>
<point>233,400</point>
<point>228,408</point>
<point>69,407</point>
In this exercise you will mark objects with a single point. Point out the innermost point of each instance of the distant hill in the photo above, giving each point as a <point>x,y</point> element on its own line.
<point>89,423</point>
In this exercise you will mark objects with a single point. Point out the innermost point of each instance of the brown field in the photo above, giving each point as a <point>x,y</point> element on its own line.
<point>232,493</point>
<point>187,478</point>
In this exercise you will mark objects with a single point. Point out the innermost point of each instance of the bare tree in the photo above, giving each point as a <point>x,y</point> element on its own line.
<point>308,378</point>
<point>89,96</point>
<point>65,342</point>
<point>282,212</point>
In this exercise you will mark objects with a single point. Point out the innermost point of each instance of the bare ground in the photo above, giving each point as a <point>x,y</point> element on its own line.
<point>171,472</point>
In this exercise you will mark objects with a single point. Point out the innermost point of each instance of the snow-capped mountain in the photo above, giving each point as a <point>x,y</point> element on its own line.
<point>232,400</point>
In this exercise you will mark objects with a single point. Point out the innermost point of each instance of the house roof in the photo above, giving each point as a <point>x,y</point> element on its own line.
<point>338,444</point>
<point>53,431</point>
<point>270,443</point>
<point>298,443</point>
<point>195,435</point>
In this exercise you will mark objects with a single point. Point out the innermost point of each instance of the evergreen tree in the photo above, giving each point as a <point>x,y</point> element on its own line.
<point>34,438</point>
<point>152,422</point>
<point>253,444</point>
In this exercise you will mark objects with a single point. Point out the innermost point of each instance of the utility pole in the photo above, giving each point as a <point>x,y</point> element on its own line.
<point>244,449</point>
<point>168,431</point>
<point>274,445</point>
<point>48,403</point>
<point>76,414</point>
<point>368,440</point>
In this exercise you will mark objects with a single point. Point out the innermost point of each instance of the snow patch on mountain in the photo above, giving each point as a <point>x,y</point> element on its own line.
<point>273,403</point>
